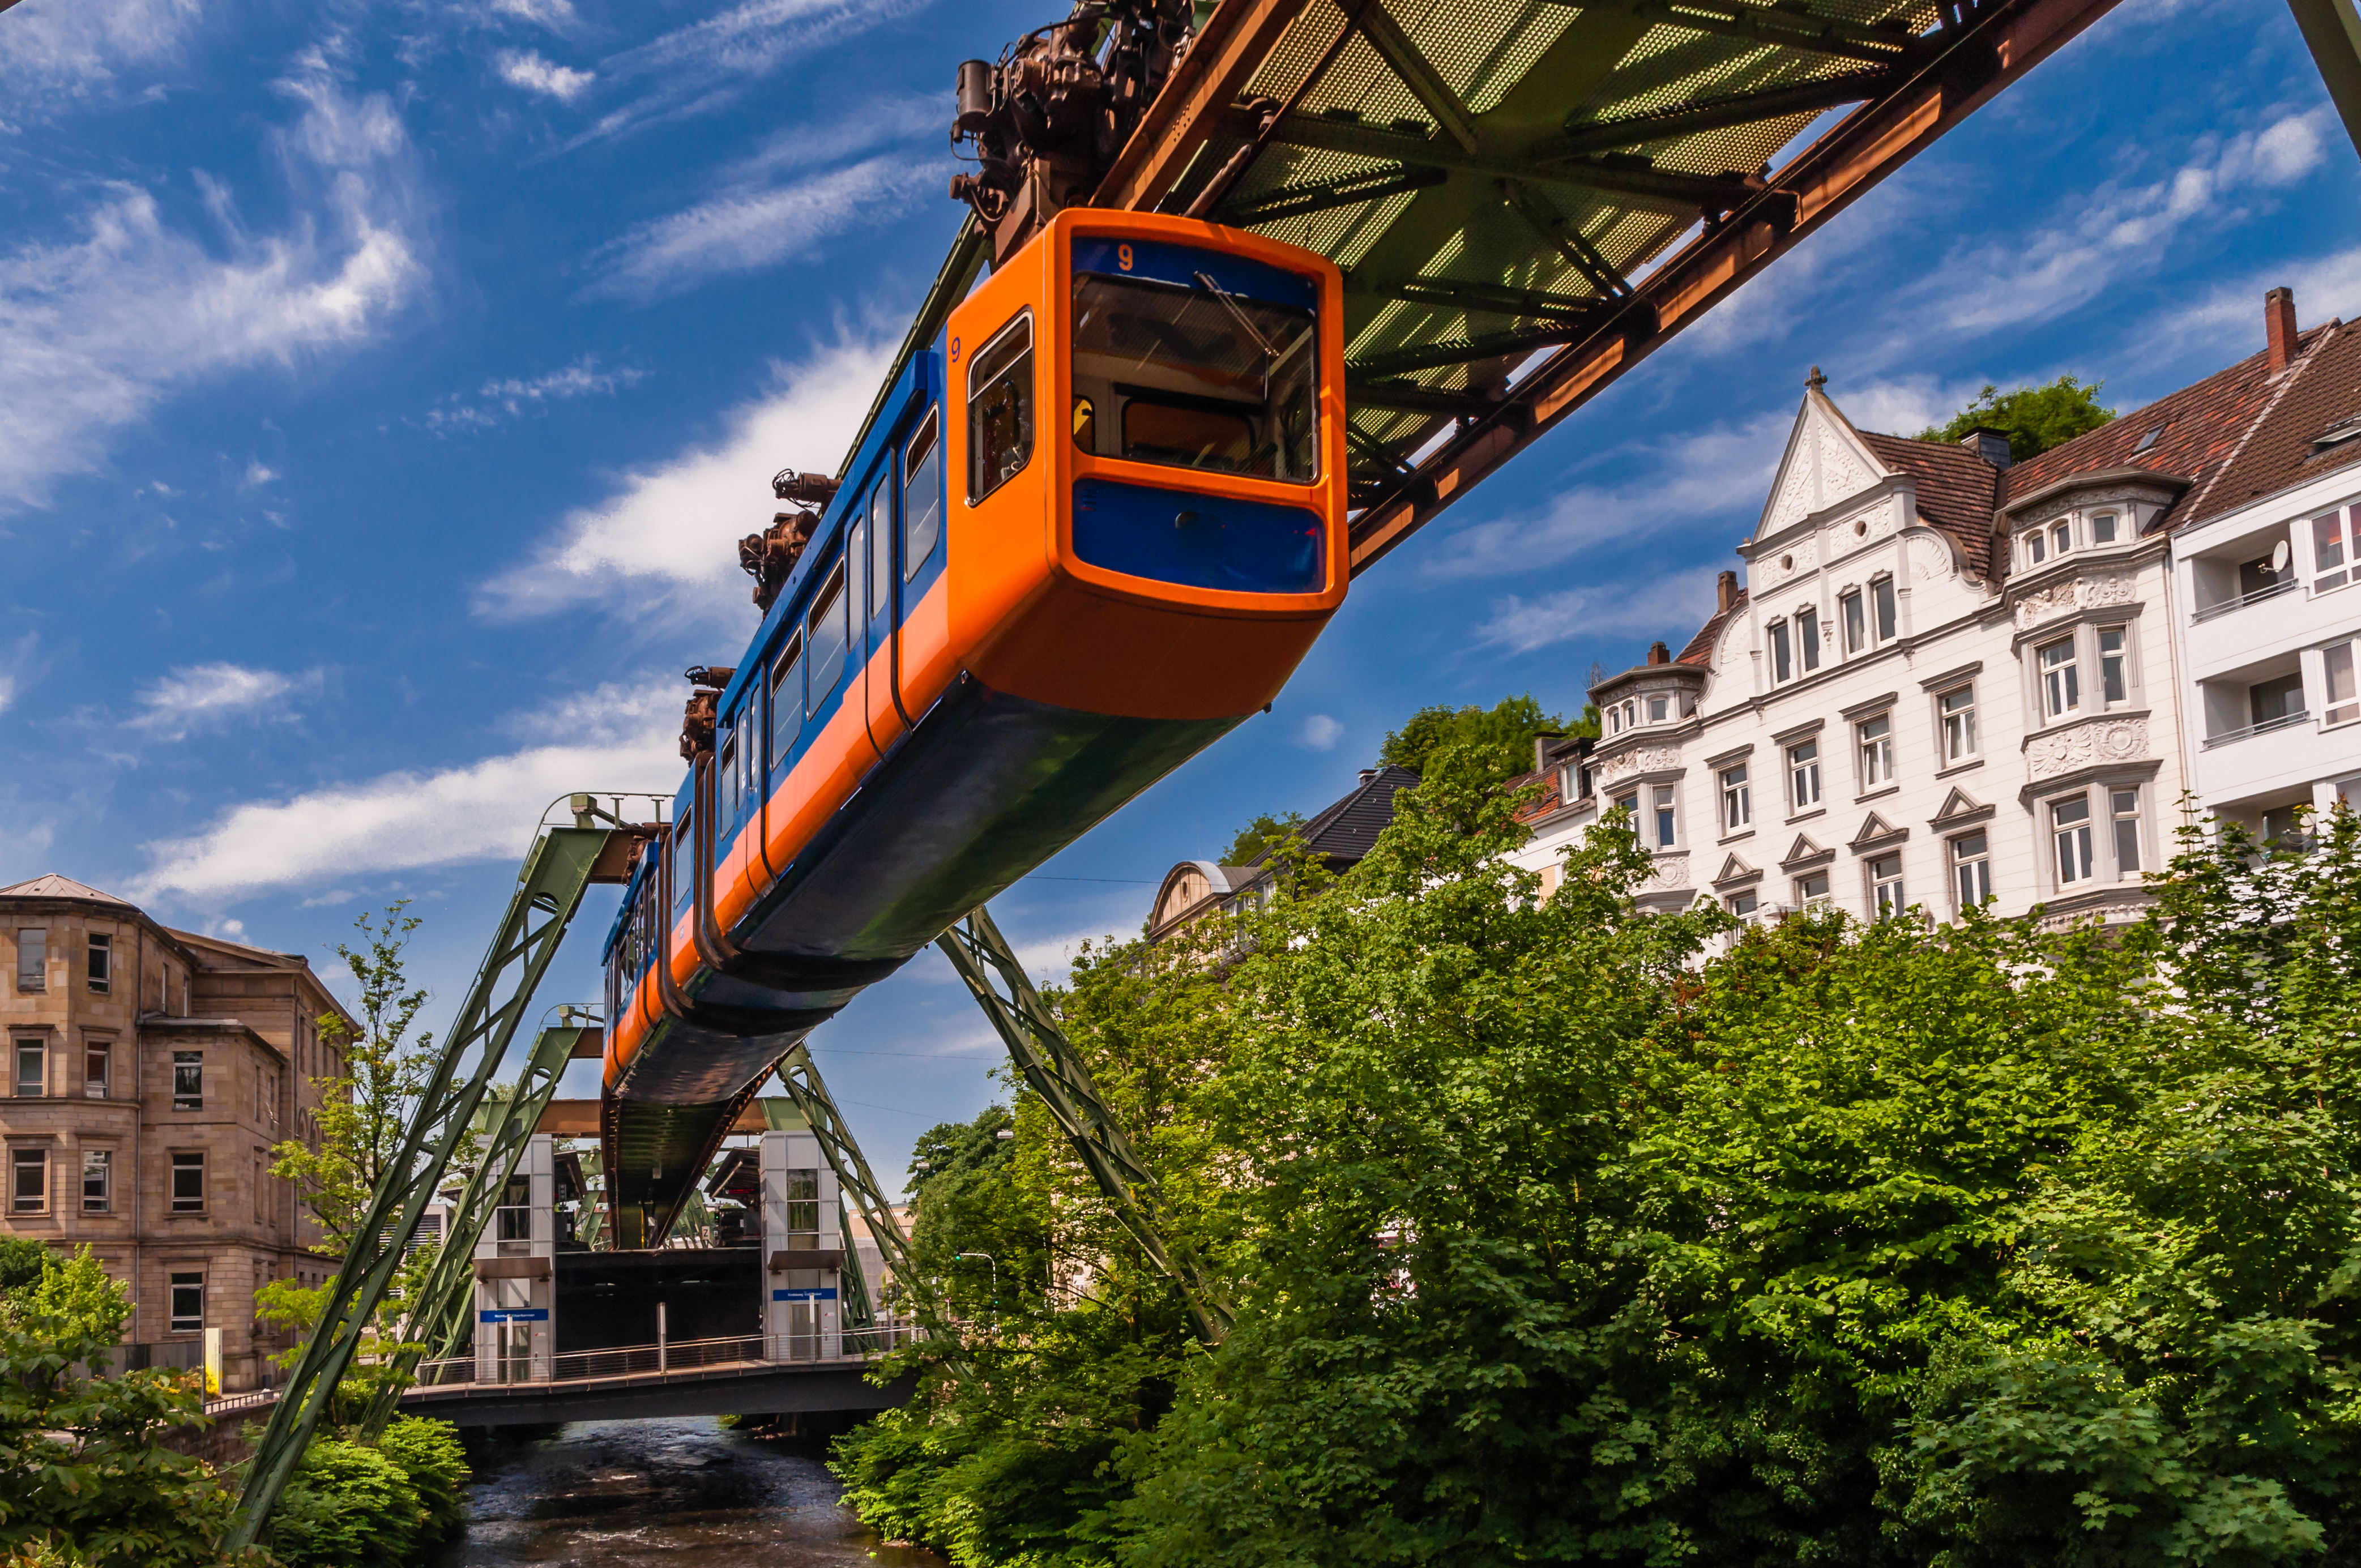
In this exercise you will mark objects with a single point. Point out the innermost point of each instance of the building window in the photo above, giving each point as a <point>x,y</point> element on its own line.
<point>2103,528</point>
<point>1782,660</point>
<point>97,1180</point>
<point>1813,889</point>
<point>102,964</point>
<point>1803,773</point>
<point>1856,621</point>
<point>2061,684</point>
<point>1659,708</point>
<point>2333,553</point>
<point>1630,805</point>
<point>802,1194</point>
<point>188,1080</point>
<point>1808,637</point>
<point>265,1099</point>
<point>33,960</point>
<point>187,1303</point>
<point>2069,830</point>
<point>2114,687</point>
<point>1972,868</point>
<point>1885,885</point>
<point>1958,712</point>
<point>32,1069</point>
<point>1741,904</point>
<point>2271,701</point>
<point>2062,537</point>
<point>187,1184</point>
<point>1881,599</point>
<point>2337,667</point>
<point>1736,799</point>
<point>2124,806</point>
<point>1876,738</point>
<point>1662,806</point>
<point>28,1181</point>
<point>97,1067</point>
<point>2036,548</point>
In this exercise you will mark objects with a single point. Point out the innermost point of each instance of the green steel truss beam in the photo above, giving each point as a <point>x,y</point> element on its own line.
<point>1055,1071</point>
<point>859,1311</point>
<point>854,1180</point>
<point>442,1319</point>
<point>548,893</point>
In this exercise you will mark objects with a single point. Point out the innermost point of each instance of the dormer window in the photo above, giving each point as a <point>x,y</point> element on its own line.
<point>2337,434</point>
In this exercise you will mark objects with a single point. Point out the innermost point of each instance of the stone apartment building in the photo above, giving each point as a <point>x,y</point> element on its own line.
<point>1947,678</point>
<point>148,1073</point>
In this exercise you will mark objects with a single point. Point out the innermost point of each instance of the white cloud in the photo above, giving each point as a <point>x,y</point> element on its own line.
<point>612,739</point>
<point>202,696</point>
<point>527,70</point>
<point>672,529</point>
<point>552,14</point>
<point>509,397</point>
<point>76,48</point>
<point>2229,318</point>
<point>1671,608</point>
<point>96,330</point>
<point>257,475</point>
<point>697,66</point>
<point>744,230</point>
<point>1320,733</point>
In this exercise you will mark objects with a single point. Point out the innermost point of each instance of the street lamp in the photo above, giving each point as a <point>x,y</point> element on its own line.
<point>995,1273</point>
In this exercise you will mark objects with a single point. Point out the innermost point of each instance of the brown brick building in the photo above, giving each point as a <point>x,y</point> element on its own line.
<point>148,1072</point>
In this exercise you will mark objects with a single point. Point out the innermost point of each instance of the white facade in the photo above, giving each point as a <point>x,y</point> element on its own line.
<point>2268,601</point>
<point>802,1315</point>
<point>1876,723</point>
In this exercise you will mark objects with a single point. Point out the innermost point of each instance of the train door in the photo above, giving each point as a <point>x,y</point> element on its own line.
<point>886,720</point>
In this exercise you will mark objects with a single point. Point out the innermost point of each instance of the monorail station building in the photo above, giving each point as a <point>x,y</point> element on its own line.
<point>149,1071</point>
<point>1948,678</point>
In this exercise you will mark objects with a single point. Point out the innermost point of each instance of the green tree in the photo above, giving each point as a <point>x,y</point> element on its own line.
<point>2034,418</point>
<point>1498,740</point>
<point>1260,836</point>
<point>84,1474</point>
<point>23,1261</point>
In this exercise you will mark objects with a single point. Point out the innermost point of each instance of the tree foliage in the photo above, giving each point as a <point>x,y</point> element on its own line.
<point>1559,1232</point>
<point>351,1505</point>
<point>1261,837</point>
<point>2034,418</point>
<point>1498,740</point>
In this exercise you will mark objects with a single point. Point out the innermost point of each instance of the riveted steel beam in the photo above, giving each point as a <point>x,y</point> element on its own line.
<point>1632,179</point>
<point>1791,24</point>
<point>1714,115</point>
<point>1222,58</point>
<point>1292,201</point>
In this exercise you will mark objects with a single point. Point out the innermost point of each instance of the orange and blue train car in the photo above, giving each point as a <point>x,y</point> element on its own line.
<point>1093,528</point>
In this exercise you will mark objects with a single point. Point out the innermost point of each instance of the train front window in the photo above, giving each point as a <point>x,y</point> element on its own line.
<point>1204,374</point>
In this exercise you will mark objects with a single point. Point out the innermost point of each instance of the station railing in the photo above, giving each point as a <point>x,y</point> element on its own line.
<point>676,1356</point>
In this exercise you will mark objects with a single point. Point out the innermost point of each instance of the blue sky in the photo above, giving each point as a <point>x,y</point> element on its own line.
<point>382,391</point>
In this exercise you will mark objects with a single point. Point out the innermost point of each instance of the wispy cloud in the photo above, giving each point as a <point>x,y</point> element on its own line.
<point>527,70</point>
<point>506,398</point>
<point>672,530</point>
<point>257,475</point>
<point>61,52</point>
<point>205,697</point>
<point>613,738</point>
<point>554,15</point>
<point>1671,608</point>
<point>745,229</point>
<point>102,327</point>
<point>1320,733</point>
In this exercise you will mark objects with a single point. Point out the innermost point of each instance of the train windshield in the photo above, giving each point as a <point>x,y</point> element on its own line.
<point>1189,369</point>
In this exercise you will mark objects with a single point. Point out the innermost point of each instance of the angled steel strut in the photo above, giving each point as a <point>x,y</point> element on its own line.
<point>854,1180</point>
<point>1054,1070</point>
<point>549,891</point>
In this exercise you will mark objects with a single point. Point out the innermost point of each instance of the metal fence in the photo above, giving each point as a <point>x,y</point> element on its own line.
<point>677,1355</point>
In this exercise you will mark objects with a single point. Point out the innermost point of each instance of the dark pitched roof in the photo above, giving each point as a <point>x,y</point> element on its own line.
<point>1344,831</point>
<point>2321,390</point>
<point>2199,430</point>
<point>1957,491</point>
<point>1699,651</point>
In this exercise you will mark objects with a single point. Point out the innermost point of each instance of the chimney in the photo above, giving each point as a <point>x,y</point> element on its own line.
<point>1368,774</point>
<point>2278,326</point>
<point>1988,444</point>
<point>1725,590</point>
<point>1658,654</point>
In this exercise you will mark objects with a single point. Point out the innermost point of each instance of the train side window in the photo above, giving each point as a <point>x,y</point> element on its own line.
<point>922,504</point>
<point>683,857</point>
<point>825,636</point>
<point>787,700</point>
<point>1000,409</point>
<point>725,791</point>
<point>881,545</point>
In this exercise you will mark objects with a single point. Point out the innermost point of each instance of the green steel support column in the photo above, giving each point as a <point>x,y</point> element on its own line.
<point>854,1180</point>
<point>549,891</point>
<point>2331,31</point>
<point>858,1311</point>
<point>444,1317</point>
<point>1054,1070</point>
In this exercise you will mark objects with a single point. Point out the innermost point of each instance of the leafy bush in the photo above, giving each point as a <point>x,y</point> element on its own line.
<point>348,1506</point>
<point>431,1456</point>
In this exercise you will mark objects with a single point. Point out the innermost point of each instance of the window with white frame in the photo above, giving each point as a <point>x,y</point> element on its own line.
<point>2333,555</point>
<point>188,1080</point>
<point>1804,773</point>
<point>2102,527</point>
<point>1874,738</point>
<point>1741,904</point>
<point>1812,889</point>
<point>2070,835</point>
<point>1808,638</point>
<point>97,1181</point>
<point>1783,657</point>
<point>1885,885</point>
<point>1662,810</point>
<point>1854,614</point>
<point>1737,799</point>
<point>28,1181</point>
<point>2036,546</point>
<point>1628,803</point>
<point>188,1183</point>
<point>1658,709</point>
<point>2062,537</point>
<point>1885,617</point>
<point>2114,676</point>
<point>187,1303</point>
<point>1972,868</point>
<point>2123,808</point>
<point>2339,704</point>
<point>1956,709</point>
<point>2061,679</point>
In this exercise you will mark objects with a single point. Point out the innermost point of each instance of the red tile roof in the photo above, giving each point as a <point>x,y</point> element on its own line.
<point>1699,652</point>
<point>1957,491</point>
<point>2321,390</point>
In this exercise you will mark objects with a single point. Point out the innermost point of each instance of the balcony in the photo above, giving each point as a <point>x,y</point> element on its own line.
<point>2249,731</point>
<point>2270,591</point>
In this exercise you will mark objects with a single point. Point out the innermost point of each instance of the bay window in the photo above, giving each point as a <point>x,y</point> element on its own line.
<point>2332,549</point>
<point>2114,687</point>
<point>2336,667</point>
<point>2123,805</point>
<point>2069,833</point>
<point>2061,684</point>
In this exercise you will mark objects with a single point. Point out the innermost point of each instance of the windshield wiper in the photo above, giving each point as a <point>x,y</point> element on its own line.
<point>1246,325</point>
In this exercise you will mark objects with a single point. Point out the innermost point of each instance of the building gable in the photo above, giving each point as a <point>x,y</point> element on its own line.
<point>1825,461</point>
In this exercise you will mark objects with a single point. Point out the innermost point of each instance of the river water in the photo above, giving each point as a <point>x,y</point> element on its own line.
<point>635,1494</point>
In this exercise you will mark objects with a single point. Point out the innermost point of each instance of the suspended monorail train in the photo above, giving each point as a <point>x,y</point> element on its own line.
<point>1093,528</point>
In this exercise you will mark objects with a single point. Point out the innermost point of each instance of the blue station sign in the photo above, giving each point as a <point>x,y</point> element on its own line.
<point>514,1315</point>
<point>814,1293</point>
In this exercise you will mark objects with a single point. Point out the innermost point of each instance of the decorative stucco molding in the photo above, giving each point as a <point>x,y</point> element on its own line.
<point>2083,745</point>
